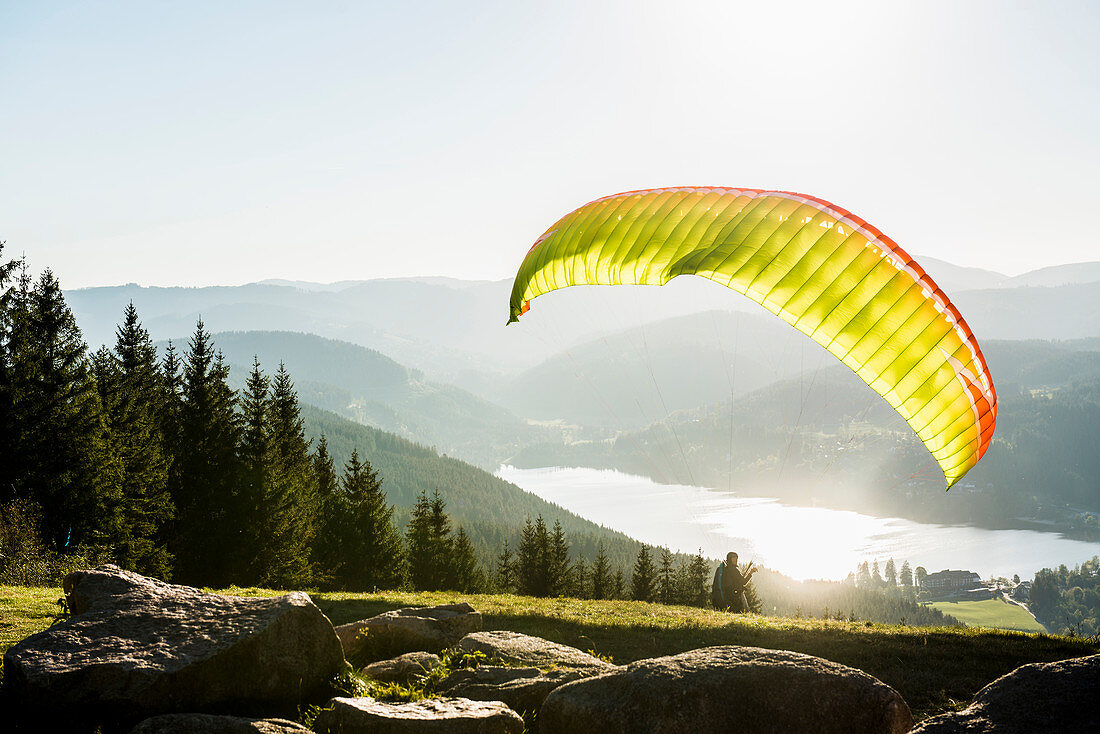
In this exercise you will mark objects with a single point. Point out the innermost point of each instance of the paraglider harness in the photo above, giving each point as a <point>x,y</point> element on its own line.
<point>718,596</point>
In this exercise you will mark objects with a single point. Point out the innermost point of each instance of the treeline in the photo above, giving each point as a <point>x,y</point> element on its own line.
<point>873,593</point>
<point>1067,600</point>
<point>542,565</point>
<point>158,465</point>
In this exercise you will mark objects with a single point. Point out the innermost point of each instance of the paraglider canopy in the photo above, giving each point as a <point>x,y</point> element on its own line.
<point>820,268</point>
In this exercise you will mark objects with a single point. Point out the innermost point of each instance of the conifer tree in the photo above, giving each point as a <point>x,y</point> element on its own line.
<point>209,545</point>
<point>171,370</point>
<point>418,543</point>
<point>429,543</point>
<point>289,508</point>
<point>558,582</point>
<point>131,391</point>
<point>373,556</point>
<point>618,585</point>
<point>906,574</point>
<point>466,574</point>
<point>255,472</point>
<point>890,575</point>
<point>579,586</point>
<point>531,559</point>
<point>876,576</point>
<point>697,583</point>
<point>333,510</point>
<point>59,449</point>
<point>8,428</point>
<point>666,578</point>
<point>643,582</point>
<point>505,579</point>
<point>602,580</point>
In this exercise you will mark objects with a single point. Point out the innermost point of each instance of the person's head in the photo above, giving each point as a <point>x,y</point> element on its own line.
<point>731,558</point>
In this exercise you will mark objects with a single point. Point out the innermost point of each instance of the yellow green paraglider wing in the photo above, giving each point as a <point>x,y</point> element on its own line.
<point>820,268</point>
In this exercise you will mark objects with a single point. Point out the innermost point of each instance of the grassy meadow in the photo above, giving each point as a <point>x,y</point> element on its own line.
<point>935,669</point>
<point>995,613</point>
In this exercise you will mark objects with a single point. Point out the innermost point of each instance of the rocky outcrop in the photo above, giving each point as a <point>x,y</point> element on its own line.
<point>137,647</point>
<point>403,668</point>
<point>1040,697</point>
<point>404,630</point>
<point>520,649</point>
<point>442,715</point>
<point>210,724</point>
<point>723,689</point>
<point>521,689</point>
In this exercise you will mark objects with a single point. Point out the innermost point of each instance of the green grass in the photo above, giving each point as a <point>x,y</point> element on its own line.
<point>935,669</point>
<point>995,613</point>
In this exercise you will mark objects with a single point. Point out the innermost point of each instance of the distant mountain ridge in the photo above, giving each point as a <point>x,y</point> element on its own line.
<point>370,388</point>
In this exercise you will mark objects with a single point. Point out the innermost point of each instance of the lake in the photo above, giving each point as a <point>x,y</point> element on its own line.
<point>802,542</point>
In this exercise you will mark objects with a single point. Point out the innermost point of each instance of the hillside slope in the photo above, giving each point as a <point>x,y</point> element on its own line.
<point>827,437</point>
<point>490,509</point>
<point>370,388</point>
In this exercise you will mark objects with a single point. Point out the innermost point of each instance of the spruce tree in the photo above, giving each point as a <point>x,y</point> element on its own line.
<point>465,572</point>
<point>558,581</point>
<point>876,576</point>
<point>601,587</point>
<point>890,575</point>
<point>906,574</point>
<point>418,543</point>
<point>8,428</point>
<point>256,469</point>
<point>643,582</point>
<point>666,578</point>
<point>505,578</point>
<point>210,539</point>
<point>863,576</point>
<point>698,580</point>
<point>531,559</point>
<point>373,556</point>
<point>131,390</point>
<point>289,508</point>
<point>428,540</point>
<point>333,510</point>
<point>579,579</point>
<point>618,585</point>
<point>60,447</point>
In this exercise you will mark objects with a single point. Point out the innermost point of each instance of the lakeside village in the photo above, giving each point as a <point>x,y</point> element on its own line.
<point>968,586</point>
<point>961,585</point>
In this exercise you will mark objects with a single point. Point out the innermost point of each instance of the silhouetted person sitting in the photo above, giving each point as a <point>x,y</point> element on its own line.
<point>728,591</point>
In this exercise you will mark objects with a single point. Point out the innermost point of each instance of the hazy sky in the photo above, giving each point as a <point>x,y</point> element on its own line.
<point>226,142</point>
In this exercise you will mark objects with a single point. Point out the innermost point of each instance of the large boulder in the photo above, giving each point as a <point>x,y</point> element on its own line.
<point>212,724</point>
<point>1040,697</point>
<point>723,689</point>
<point>521,689</point>
<point>403,668</point>
<point>137,647</point>
<point>520,649</point>
<point>404,630</point>
<point>442,715</point>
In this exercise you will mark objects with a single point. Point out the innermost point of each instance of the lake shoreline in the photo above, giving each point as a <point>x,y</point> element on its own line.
<point>871,506</point>
<point>802,540</point>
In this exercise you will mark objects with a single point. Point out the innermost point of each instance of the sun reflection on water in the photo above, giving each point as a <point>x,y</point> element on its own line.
<point>802,542</point>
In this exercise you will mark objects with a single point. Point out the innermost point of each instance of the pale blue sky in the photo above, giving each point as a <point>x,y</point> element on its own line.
<point>216,142</point>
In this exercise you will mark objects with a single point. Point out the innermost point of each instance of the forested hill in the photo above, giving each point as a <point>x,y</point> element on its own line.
<point>370,388</point>
<point>829,438</point>
<point>491,509</point>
